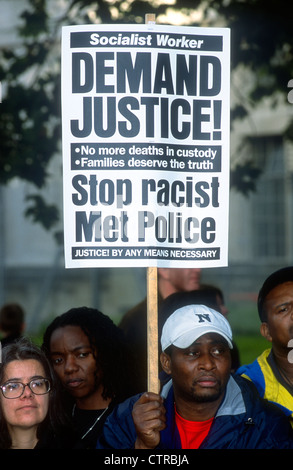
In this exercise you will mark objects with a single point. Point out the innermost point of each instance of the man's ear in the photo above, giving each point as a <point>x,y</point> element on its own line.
<point>265,332</point>
<point>165,362</point>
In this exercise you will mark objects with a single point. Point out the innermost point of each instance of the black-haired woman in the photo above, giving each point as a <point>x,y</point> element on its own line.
<point>90,357</point>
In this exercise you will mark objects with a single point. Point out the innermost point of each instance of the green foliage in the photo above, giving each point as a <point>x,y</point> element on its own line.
<point>39,208</point>
<point>261,38</point>
<point>244,177</point>
<point>35,19</point>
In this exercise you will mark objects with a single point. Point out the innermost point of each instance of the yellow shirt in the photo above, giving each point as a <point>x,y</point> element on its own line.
<point>262,375</point>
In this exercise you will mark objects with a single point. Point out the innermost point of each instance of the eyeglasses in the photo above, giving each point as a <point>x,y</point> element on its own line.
<point>15,389</point>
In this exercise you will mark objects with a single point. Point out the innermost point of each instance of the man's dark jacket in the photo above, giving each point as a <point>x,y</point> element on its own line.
<point>243,421</point>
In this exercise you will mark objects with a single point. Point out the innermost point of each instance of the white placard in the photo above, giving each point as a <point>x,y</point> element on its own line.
<point>146,129</point>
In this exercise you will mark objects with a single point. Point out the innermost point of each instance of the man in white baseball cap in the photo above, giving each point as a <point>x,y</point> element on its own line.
<point>203,405</point>
<point>190,322</point>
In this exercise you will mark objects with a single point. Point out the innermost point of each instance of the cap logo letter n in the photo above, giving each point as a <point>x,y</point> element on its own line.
<point>202,317</point>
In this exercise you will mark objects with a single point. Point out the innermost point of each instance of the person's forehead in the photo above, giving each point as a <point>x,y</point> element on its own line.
<point>69,337</point>
<point>280,291</point>
<point>23,368</point>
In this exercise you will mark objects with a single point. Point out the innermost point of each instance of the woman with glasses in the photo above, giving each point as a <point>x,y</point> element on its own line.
<point>30,410</point>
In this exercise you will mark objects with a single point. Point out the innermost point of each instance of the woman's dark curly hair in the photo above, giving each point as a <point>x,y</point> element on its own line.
<point>55,420</point>
<point>112,357</point>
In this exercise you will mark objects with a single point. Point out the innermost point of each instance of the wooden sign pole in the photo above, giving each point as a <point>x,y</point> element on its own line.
<point>152,307</point>
<point>152,330</point>
<point>150,18</point>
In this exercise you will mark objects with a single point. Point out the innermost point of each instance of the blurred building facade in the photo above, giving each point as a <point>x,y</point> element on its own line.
<point>260,232</point>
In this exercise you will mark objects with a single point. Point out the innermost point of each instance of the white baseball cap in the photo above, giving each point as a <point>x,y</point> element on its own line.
<point>190,322</point>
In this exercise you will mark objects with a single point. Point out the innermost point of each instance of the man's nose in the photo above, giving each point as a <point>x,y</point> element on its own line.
<point>206,362</point>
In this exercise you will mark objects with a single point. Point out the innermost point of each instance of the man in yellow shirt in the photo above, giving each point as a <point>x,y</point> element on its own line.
<point>272,371</point>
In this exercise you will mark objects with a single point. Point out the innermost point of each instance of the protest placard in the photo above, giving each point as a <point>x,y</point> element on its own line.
<point>145,119</point>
